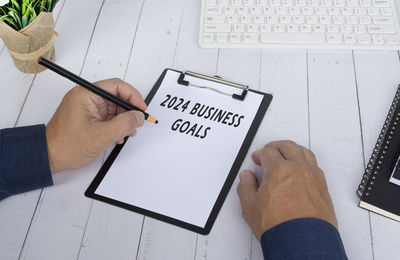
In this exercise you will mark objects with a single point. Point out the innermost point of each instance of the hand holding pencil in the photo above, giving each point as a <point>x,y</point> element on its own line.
<point>85,124</point>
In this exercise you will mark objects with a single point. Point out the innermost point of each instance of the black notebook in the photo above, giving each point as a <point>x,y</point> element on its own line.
<point>379,190</point>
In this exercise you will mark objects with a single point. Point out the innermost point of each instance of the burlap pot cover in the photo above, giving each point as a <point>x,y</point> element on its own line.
<point>30,43</point>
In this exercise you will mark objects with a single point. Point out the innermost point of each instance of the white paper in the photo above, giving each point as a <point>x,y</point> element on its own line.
<point>176,174</point>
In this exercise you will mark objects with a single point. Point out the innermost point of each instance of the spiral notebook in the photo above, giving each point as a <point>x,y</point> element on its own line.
<point>379,190</point>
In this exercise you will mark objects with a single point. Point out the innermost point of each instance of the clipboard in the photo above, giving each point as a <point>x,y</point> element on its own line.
<point>111,186</point>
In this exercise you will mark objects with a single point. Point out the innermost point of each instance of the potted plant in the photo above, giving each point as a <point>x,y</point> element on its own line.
<point>26,28</point>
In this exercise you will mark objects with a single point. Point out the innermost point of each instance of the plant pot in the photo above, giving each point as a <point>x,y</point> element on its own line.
<point>27,45</point>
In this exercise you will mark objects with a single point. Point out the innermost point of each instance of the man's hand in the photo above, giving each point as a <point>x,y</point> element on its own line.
<point>292,187</point>
<point>85,124</point>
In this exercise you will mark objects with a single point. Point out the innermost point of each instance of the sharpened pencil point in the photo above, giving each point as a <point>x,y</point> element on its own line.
<point>152,119</point>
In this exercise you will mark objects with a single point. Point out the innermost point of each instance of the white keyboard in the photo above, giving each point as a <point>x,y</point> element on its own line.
<point>305,24</point>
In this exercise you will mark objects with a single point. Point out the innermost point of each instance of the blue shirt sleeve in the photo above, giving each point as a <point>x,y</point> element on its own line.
<point>24,163</point>
<point>305,238</point>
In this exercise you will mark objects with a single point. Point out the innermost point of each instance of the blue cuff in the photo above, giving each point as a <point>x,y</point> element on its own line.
<point>305,238</point>
<point>24,162</point>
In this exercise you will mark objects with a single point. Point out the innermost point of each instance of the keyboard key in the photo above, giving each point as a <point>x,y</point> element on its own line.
<point>349,38</point>
<point>262,2</point>
<point>326,3</point>
<point>217,28</point>
<point>319,28</point>
<point>360,11</point>
<point>259,19</point>
<point>338,3</point>
<point>294,10</point>
<point>245,19</point>
<point>214,19</point>
<point>312,19</point>
<point>347,11</point>
<point>325,19</point>
<point>238,28</point>
<point>236,2</point>
<point>223,2</point>
<point>298,19</point>
<point>233,19</point>
<point>229,10</point>
<point>321,10</point>
<point>272,19</point>
<point>243,10</point>
<point>334,11</point>
<point>293,28</point>
<point>346,28</point>
<point>363,39</point>
<point>300,2</point>
<point>365,3</point>
<point>252,28</point>
<point>292,38</point>
<point>235,37</point>
<point>351,19</point>
<point>352,3</point>
<point>378,39</point>
<point>373,11</point>
<point>211,2</point>
<point>249,2</point>
<point>213,10</point>
<point>266,28</point>
<point>365,20</point>
<point>208,37</point>
<point>269,10</point>
<point>334,38</point>
<point>332,28</point>
<point>250,38</point>
<point>392,40</point>
<point>360,29</point>
<point>384,29</point>
<point>386,11</point>
<point>338,19</point>
<point>279,28</point>
<point>308,10</point>
<point>255,10</point>
<point>285,19</point>
<point>381,3</point>
<point>306,28</point>
<point>281,10</point>
<point>222,37</point>
<point>382,20</point>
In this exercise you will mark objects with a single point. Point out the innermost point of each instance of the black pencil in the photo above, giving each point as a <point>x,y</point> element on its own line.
<point>86,84</point>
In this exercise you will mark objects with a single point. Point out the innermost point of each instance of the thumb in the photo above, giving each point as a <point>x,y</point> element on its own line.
<point>123,125</point>
<point>247,187</point>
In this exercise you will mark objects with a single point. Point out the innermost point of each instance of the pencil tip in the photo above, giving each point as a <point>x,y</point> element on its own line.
<point>152,119</point>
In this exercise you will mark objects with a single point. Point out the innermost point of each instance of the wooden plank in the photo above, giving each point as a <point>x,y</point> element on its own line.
<point>111,232</point>
<point>62,211</point>
<point>151,54</point>
<point>335,138</point>
<point>287,117</point>
<point>15,212</point>
<point>230,237</point>
<point>377,80</point>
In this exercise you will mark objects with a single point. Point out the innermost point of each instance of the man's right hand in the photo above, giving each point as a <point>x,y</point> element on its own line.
<point>292,187</point>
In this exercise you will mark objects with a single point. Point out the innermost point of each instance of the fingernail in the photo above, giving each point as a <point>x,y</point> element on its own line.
<point>242,174</point>
<point>139,118</point>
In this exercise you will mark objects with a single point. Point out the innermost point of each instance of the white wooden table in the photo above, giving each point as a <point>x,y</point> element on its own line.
<point>333,102</point>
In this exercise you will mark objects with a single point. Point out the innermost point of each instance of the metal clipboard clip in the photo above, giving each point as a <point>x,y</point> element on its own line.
<point>217,79</point>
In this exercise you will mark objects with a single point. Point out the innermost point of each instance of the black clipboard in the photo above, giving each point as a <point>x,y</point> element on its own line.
<point>267,98</point>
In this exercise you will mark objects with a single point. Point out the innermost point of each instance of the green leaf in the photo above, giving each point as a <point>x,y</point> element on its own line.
<point>15,3</point>
<point>24,21</point>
